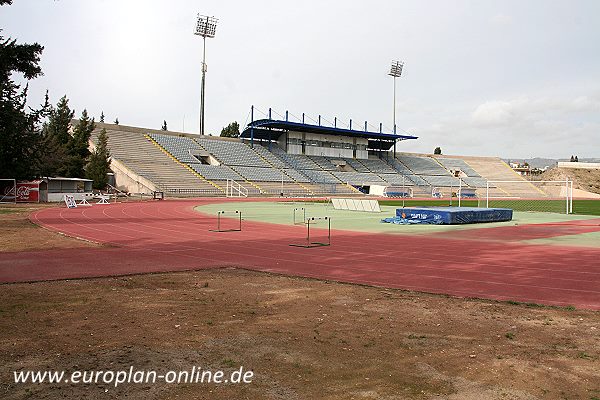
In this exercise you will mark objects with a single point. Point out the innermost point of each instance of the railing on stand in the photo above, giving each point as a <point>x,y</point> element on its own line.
<point>234,189</point>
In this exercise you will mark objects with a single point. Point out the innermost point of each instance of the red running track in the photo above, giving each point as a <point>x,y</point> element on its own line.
<point>170,236</point>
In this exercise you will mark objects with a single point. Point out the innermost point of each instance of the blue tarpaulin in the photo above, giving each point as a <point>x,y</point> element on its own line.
<point>449,215</point>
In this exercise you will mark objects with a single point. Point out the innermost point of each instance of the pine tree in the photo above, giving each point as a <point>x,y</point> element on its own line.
<point>102,117</point>
<point>231,130</point>
<point>164,125</point>
<point>19,127</point>
<point>438,150</point>
<point>79,146</point>
<point>99,162</point>
<point>117,121</point>
<point>53,157</point>
<point>59,121</point>
<point>55,139</point>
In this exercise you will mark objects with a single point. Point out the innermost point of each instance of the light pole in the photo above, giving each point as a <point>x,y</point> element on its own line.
<point>205,27</point>
<point>395,72</point>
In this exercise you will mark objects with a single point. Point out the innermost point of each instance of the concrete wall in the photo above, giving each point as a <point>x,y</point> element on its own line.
<point>128,181</point>
<point>578,165</point>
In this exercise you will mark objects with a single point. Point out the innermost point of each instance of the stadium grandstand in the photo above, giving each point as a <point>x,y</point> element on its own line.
<point>285,158</point>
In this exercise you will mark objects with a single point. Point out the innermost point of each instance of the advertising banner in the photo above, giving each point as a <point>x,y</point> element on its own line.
<point>28,192</point>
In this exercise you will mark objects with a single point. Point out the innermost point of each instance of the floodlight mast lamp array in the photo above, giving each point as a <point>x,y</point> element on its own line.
<point>396,72</point>
<point>205,27</point>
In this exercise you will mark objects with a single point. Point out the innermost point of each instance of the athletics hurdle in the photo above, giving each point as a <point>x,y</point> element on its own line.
<point>309,244</point>
<point>103,199</point>
<point>239,229</point>
<point>303,216</point>
<point>70,201</point>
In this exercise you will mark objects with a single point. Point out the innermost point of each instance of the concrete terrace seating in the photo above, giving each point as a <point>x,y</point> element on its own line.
<point>419,181</point>
<point>216,172</point>
<point>398,179</point>
<point>232,153</point>
<point>180,147</point>
<point>398,166</point>
<point>288,189</point>
<point>258,174</point>
<point>324,163</point>
<point>443,181</point>
<point>359,178</point>
<point>329,189</point>
<point>378,166</point>
<point>422,165</point>
<point>401,168</point>
<point>473,181</point>
<point>261,169</point>
<point>140,156</point>
<point>319,176</point>
<point>357,165</point>
<point>298,161</point>
<point>495,169</point>
<point>457,164</point>
<point>296,175</point>
<point>270,157</point>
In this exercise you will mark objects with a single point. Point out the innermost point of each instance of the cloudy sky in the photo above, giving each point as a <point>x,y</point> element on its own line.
<point>502,78</point>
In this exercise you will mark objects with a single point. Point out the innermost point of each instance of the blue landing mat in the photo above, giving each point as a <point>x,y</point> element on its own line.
<point>449,215</point>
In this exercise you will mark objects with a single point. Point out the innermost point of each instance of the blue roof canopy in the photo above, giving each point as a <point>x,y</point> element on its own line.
<point>270,129</point>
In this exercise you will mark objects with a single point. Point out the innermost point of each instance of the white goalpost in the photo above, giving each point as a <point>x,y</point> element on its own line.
<point>540,196</point>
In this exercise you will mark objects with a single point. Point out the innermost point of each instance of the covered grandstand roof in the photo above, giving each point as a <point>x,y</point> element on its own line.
<point>270,129</point>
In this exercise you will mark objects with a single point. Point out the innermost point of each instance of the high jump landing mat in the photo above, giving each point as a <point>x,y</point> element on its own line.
<point>453,215</point>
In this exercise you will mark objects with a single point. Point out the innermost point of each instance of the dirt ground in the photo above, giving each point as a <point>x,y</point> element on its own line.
<point>584,179</point>
<point>302,338</point>
<point>17,233</point>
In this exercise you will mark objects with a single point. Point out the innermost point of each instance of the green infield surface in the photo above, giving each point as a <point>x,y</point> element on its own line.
<point>283,213</point>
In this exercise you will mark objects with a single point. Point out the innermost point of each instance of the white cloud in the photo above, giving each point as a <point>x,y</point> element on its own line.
<point>517,127</point>
<point>494,113</point>
<point>502,19</point>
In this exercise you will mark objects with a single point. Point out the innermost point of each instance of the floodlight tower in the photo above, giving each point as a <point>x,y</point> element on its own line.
<point>395,72</point>
<point>205,27</point>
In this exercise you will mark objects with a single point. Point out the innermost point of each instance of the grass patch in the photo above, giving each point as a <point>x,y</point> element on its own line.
<point>509,335</point>
<point>582,207</point>
<point>584,355</point>
<point>228,363</point>
<point>411,336</point>
<point>534,305</point>
<point>427,202</point>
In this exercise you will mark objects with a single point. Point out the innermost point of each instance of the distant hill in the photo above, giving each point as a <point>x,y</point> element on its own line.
<point>539,162</point>
<point>584,179</point>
